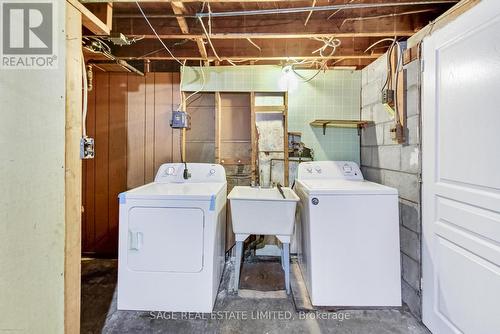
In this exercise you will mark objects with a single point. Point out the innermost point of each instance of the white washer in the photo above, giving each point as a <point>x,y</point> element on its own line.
<point>349,233</point>
<point>171,240</point>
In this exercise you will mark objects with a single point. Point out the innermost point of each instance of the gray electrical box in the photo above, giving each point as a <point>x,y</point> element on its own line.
<point>180,120</point>
<point>87,150</point>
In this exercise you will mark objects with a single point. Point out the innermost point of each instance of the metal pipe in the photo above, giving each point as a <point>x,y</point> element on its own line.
<point>323,8</point>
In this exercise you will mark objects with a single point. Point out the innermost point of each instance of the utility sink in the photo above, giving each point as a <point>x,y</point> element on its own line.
<point>263,211</point>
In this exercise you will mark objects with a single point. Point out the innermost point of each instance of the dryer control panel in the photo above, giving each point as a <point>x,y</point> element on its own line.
<point>347,170</point>
<point>173,173</point>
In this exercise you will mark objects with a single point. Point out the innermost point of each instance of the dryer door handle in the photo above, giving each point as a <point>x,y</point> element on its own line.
<point>135,240</point>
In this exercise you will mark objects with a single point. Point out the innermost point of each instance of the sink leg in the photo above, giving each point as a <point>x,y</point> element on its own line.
<point>286,258</point>
<point>239,254</point>
<point>282,256</point>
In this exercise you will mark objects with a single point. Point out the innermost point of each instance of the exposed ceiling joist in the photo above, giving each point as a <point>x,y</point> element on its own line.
<point>167,1</point>
<point>254,31</point>
<point>179,9</point>
<point>292,10</point>
<point>398,33</point>
<point>239,58</point>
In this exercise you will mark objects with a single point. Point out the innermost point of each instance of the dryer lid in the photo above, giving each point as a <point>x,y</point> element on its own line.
<point>346,187</point>
<point>189,191</point>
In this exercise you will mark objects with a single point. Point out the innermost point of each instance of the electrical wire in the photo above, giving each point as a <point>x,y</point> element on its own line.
<point>209,39</point>
<point>329,42</point>
<point>85,97</point>
<point>388,79</point>
<point>156,34</point>
<point>202,85</point>
<point>378,42</point>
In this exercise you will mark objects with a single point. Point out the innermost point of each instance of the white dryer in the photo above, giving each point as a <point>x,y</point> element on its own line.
<point>349,236</point>
<point>171,240</point>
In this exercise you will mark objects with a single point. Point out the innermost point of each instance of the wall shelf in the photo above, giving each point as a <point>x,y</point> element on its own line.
<point>339,123</point>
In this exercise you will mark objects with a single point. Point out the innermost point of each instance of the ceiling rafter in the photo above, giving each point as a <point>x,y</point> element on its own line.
<point>179,9</point>
<point>399,33</point>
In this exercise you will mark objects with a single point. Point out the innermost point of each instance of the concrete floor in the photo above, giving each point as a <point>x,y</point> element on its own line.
<point>99,314</point>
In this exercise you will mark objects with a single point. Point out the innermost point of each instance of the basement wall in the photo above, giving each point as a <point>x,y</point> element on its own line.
<point>333,94</point>
<point>398,166</point>
<point>32,194</point>
<point>128,115</point>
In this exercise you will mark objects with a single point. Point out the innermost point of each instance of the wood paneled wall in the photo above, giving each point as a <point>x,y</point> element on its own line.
<point>128,115</point>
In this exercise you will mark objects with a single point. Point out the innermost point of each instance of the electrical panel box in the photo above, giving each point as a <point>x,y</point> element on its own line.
<point>180,120</point>
<point>388,97</point>
<point>87,150</point>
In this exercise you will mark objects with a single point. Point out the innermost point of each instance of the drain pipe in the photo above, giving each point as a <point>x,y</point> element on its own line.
<point>324,8</point>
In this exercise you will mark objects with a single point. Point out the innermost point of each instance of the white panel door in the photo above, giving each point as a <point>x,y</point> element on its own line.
<point>461,174</point>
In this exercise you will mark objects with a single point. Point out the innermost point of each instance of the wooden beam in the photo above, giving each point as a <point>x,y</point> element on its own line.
<point>286,166</point>
<point>167,1</point>
<point>89,20</point>
<point>73,171</point>
<point>399,33</point>
<point>179,9</point>
<point>103,11</point>
<point>254,138</point>
<point>218,112</point>
<point>201,48</point>
<point>239,58</point>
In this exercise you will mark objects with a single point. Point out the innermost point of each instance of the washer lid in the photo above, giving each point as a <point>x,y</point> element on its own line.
<point>346,187</point>
<point>192,191</point>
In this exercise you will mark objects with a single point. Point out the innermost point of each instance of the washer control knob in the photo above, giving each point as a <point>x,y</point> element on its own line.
<point>170,171</point>
<point>318,169</point>
<point>309,170</point>
<point>212,171</point>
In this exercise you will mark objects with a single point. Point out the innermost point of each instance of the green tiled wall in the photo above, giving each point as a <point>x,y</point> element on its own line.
<point>334,94</point>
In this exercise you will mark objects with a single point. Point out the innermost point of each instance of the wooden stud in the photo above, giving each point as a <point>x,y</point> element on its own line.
<point>253,137</point>
<point>73,171</point>
<point>218,110</point>
<point>285,135</point>
<point>183,131</point>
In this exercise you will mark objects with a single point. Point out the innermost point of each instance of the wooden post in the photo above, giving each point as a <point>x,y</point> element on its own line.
<point>285,135</point>
<point>218,110</point>
<point>73,171</point>
<point>183,131</point>
<point>253,137</point>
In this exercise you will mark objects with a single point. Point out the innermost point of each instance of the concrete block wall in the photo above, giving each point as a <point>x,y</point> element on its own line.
<point>395,165</point>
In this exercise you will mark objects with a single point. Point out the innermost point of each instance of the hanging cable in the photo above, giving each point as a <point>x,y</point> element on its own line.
<point>156,34</point>
<point>202,85</point>
<point>209,40</point>
<point>388,79</point>
<point>254,44</point>
<point>85,97</point>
